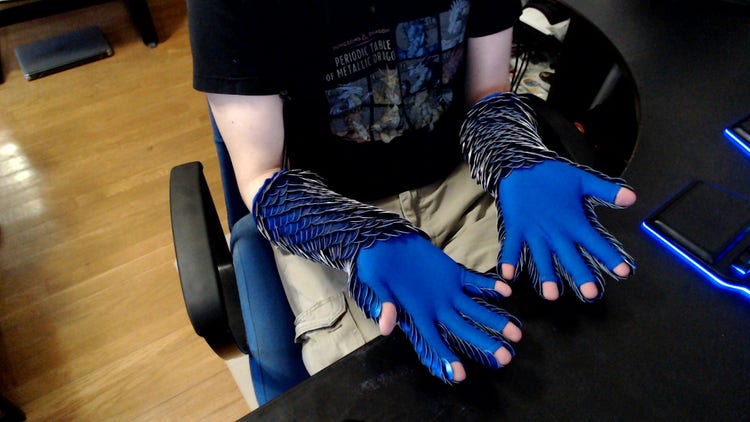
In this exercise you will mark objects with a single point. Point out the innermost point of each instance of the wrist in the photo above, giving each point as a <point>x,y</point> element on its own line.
<point>296,211</point>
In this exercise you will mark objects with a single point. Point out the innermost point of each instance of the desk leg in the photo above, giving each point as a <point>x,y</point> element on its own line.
<point>144,23</point>
<point>10,412</point>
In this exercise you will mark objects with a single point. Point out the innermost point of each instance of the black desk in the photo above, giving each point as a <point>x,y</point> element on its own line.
<point>664,345</point>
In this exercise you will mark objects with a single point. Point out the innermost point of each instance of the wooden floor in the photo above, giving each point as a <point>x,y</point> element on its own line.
<point>92,323</point>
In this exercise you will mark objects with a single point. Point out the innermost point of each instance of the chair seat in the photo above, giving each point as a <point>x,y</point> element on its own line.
<point>276,362</point>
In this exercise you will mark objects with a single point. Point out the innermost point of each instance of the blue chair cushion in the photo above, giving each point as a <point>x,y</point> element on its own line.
<point>275,359</point>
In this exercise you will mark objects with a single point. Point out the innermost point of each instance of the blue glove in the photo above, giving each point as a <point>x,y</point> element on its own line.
<point>549,208</point>
<point>390,262</point>
<point>440,304</point>
<point>545,202</point>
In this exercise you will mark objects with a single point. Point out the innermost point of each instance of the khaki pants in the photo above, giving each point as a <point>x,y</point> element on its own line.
<point>460,218</point>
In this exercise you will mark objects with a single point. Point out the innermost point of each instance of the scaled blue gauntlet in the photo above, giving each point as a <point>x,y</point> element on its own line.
<point>545,202</point>
<point>440,305</point>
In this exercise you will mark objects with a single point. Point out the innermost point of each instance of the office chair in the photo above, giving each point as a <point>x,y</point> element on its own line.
<point>233,294</point>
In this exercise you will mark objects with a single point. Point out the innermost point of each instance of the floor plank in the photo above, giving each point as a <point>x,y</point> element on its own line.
<point>92,323</point>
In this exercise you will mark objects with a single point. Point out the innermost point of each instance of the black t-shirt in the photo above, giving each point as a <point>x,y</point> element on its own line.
<point>374,89</point>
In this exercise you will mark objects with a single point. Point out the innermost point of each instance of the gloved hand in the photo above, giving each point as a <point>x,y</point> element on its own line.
<point>545,202</point>
<point>395,273</point>
<point>549,208</point>
<point>408,280</point>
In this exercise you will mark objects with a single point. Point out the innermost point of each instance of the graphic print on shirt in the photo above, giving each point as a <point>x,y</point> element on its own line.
<point>393,80</point>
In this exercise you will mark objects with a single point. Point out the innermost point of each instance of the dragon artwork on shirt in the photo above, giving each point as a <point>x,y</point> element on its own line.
<point>390,81</point>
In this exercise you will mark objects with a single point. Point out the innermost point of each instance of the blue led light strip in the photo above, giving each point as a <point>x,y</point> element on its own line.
<point>740,271</point>
<point>729,134</point>
<point>693,262</point>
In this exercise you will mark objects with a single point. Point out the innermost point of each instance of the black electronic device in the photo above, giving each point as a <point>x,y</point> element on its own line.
<point>708,226</point>
<point>61,52</point>
<point>739,133</point>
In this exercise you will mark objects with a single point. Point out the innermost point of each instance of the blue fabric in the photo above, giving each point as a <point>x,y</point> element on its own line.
<point>434,297</point>
<point>545,207</point>
<point>275,359</point>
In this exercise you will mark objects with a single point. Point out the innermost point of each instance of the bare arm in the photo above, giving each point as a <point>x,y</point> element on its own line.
<point>488,64</point>
<point>253,131</point>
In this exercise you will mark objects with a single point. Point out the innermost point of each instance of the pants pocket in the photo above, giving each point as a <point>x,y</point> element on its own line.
<point>328,331</point>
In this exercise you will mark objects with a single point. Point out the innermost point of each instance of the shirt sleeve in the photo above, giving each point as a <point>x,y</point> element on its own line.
<point>232,46</point>
<point>491,16</point>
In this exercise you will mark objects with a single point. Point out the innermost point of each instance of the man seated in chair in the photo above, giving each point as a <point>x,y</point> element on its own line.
<point>379,149</point>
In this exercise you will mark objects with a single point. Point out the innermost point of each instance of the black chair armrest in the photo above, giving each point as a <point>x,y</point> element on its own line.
<point>204,263</point>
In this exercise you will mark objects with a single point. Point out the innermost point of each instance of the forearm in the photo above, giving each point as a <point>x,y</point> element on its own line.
<point>294,209</point>
<point>499,135</point>
<point>253,132</point>
<point>297,212</point>
<point>488,65</point>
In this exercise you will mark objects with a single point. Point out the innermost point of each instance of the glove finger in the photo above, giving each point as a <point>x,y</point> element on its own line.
<point>369,295</point>
<point>595,186</point>
<point>472,342</point>
<point>429,345</point>
<point>481,281</point>
<point>571,259</point>
<point>573,263</point>
<point>510,250</point>
<point>599,247</point>
<point>488,317</point>
<point>387,318</point>
<point>542,273</point>
<point>484,286</point>
<point>542,257</point>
